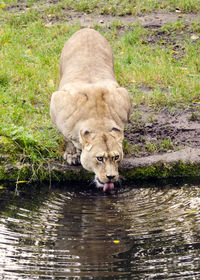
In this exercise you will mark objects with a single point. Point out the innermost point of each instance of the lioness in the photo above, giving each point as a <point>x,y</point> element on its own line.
<point>90,109</point>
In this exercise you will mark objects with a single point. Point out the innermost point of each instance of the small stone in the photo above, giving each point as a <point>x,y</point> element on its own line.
<point>49,24</point>
<point>148,125</point>
<point>194,37</point>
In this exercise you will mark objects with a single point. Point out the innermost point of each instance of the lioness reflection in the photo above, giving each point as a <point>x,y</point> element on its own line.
<point>88,235</point>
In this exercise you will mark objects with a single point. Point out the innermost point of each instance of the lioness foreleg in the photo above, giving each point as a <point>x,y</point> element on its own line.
<point>71,154</point>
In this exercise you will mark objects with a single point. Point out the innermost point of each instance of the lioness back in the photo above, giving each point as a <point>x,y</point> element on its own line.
<point>86,56</point>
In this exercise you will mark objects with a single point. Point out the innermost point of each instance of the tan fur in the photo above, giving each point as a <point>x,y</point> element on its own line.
<point>90,109</point>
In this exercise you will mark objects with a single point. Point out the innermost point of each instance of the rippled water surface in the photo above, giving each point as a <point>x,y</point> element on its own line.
<point>138,232</point>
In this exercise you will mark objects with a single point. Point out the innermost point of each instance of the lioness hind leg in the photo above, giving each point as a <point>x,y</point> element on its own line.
<point>71,154</point>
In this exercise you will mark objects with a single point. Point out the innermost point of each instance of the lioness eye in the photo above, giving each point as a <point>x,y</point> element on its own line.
<point>100,159</point>
<point>116,157</point>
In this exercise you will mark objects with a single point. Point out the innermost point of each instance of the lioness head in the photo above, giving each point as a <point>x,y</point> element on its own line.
<point>101,154</point>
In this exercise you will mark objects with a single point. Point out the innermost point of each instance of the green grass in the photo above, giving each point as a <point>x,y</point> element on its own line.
<point>28,76</point>
<point>149,148</point>
<point>29,64</point>
<point>110,7</point>
<point>169,71</point>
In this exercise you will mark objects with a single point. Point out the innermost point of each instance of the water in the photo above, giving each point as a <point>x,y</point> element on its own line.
<point>139,232</point>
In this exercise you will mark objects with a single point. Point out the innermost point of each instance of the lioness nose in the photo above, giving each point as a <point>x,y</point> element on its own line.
<point>110,177</point>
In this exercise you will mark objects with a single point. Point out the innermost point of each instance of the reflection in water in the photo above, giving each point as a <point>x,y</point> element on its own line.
<point>138,233</point>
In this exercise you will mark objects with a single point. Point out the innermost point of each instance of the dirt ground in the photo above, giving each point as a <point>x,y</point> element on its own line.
<point>151,20</point>
<point>164,132</point>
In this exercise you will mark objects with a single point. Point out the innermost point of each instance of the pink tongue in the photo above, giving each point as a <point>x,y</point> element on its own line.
<point>108,187</point>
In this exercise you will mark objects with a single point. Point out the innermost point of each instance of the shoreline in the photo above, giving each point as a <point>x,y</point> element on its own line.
<point>182,163</point>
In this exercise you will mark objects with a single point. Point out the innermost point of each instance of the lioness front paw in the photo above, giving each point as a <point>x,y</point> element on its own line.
<point>72,159</point>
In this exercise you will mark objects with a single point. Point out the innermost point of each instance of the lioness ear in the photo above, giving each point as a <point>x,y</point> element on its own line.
<point>84,136</point>
<point>84,139</point>
<point>118,134</point>
<point>115,129</point>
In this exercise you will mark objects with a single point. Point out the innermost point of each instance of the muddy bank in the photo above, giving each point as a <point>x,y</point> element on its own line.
<point>151,132</point>
<point>185,162</point>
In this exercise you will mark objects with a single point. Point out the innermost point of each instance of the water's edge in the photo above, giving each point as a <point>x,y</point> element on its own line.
<point>185,162</point>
